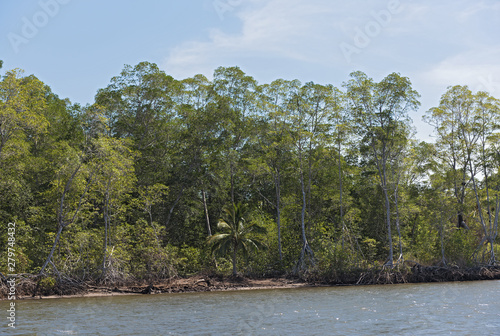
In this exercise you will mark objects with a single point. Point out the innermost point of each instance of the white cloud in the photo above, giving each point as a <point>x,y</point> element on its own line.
<point>440,43</point>
<point>476,8</point>
<point>436,44</point>
<point>479,69</point>
<point>289,29</point>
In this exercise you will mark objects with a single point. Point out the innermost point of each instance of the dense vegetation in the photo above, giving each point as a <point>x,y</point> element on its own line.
<point>133,185</point>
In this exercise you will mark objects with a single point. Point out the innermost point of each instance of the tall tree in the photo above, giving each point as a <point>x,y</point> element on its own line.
<point>478,123</point>
<point>310,106</point>
<point>235,96</point>
<point>22,101</point>
<point>115,179</point>
<point>487,114</point>
<point>380,111</point>
<point>451,151</point>
<point>73,184</point>
<point>139,104</point>
<point>274,142</point>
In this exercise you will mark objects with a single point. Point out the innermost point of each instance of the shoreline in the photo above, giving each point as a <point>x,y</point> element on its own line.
<point>110,293</point>
<point>193,284</point>
<point>206,283</point>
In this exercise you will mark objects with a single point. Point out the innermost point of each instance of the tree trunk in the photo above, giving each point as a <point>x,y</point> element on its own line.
<point>441,234</point>
<point>61,215</point>
<point>56,241</point>
<point>278,211</point>
<point>207,217</point>
<point>105,245</point>
<point>232,183</point>
<point>303,219</point>
<point>396,196</point>
<point>487,234</point>
<point>341,201</point>
<point>381,164</point>
<point>61,221</point>
<point>305,245</point>
<point>235,249</point>
<point>388,217</point>
<point>494,232</point>
<point>173,207</point>
<point>4,279</point>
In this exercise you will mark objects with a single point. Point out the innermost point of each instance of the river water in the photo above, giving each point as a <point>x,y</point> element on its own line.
<point>457,308</point>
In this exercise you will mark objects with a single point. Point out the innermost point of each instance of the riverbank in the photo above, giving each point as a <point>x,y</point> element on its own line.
<point>197,283</point>
<point>25,287</point>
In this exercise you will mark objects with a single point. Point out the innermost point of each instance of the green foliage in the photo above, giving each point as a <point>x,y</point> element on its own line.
<point>189,260</point>
<point>236,234</point>
<point>460,247</point>
<point>141,255</point>
<point>428,248</point>
<point>47,285</point>
<point>267,261</point>
<point>133,186</point>
<point>369,247</point>
<point>333,259</point>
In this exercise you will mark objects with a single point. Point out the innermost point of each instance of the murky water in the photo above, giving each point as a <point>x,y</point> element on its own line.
<point>465,308</point>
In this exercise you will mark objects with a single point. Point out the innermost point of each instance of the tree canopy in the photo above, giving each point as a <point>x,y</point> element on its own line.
<point>134,185</point>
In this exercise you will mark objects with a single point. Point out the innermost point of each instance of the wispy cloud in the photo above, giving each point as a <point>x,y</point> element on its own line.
<point>276,28</point>
<point>442,41</point>
<point>477,68</point>
<point>476,8</point>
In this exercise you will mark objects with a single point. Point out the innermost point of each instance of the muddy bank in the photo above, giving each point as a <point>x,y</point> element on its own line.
<point>26,286</point>
<point>415,274</point>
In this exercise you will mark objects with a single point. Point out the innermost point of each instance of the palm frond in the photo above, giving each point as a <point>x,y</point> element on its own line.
<point>217,237</point>
<point>255,228</point>
<point>222,225</point>
<point>236,231</point>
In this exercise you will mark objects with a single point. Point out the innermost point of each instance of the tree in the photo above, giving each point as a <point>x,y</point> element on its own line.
<point>380,111</point>
<point>73,195</point>
<point>236,234</point>
<point>341,127</point>
<point>114,181</point>
<point>139,104</point>
<point>200,145</point>
<point>467,129</point>
<point>235,95</point>
<point>274,141</point>
<point>451,151</point>
<point>22,101</point>
<point>310,106</point>
<point>478,125</point>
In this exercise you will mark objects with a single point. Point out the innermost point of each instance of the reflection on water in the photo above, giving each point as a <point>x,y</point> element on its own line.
<point>466,308</point>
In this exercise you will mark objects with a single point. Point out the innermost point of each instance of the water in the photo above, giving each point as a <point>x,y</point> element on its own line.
<point>465,308</point>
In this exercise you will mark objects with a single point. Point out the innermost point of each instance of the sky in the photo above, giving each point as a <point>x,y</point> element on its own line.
<point>77,46</point>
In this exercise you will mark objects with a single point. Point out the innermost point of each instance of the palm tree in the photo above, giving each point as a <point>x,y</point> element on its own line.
<point>235,234</point>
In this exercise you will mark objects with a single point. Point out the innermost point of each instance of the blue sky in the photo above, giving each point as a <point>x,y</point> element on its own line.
<point>76,46</point>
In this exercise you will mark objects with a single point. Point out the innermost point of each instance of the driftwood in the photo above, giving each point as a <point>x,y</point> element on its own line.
<point>412,272</point>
